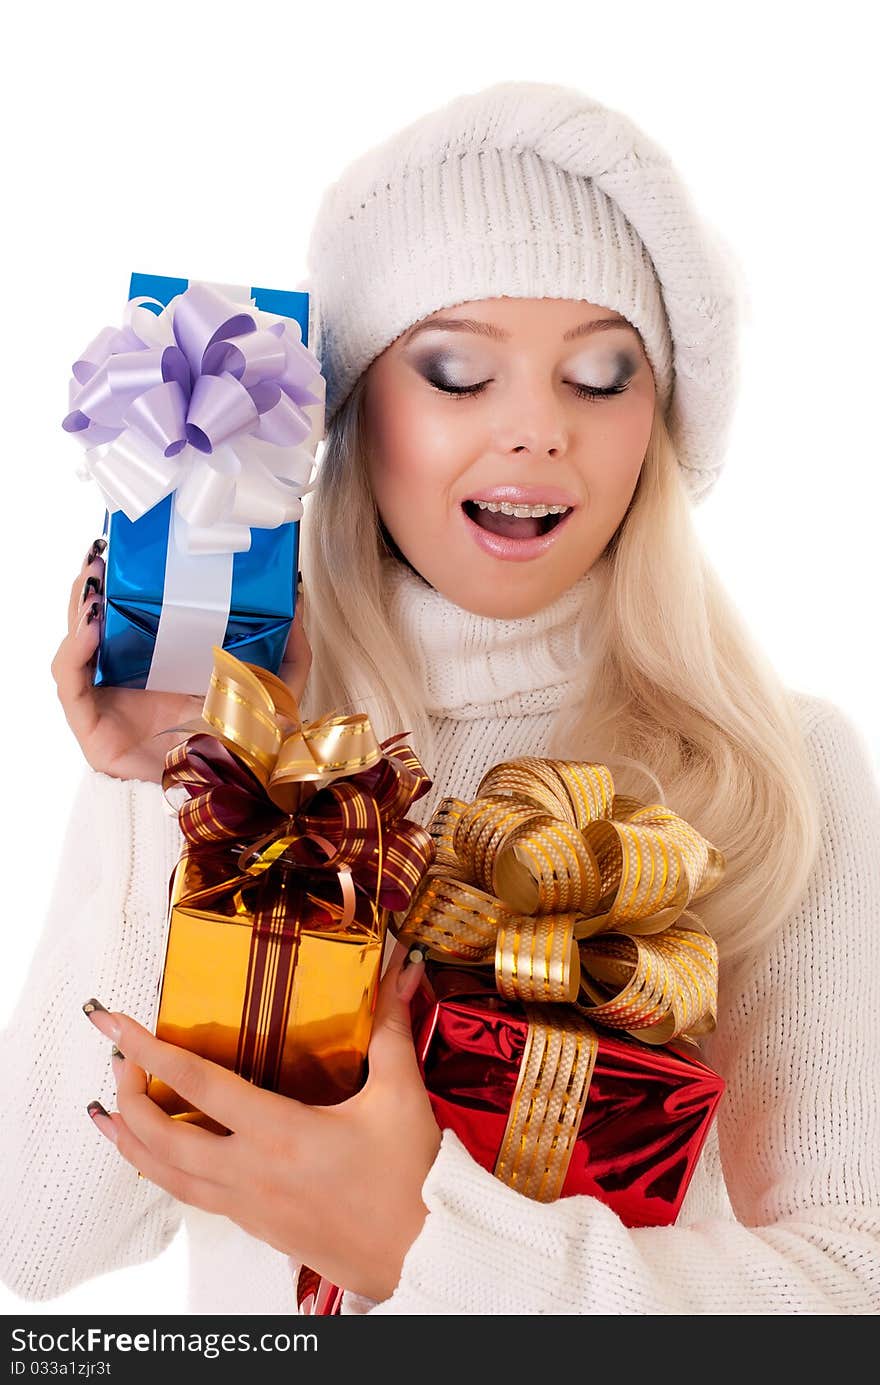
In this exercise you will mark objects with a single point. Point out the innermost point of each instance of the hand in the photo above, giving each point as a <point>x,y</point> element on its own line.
<point>336,1187</point>
<point>124,732</point>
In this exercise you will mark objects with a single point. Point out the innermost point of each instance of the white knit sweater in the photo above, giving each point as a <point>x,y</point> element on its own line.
<point>783,1214</point>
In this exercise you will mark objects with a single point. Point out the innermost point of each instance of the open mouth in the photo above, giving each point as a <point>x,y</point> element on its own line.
<point>511,526</point>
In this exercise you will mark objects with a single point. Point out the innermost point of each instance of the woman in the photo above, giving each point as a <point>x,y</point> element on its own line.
<point>516,304</point>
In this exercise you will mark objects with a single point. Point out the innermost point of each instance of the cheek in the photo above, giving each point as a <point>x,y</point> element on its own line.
<point>615,455</point>
<point>416,451</point>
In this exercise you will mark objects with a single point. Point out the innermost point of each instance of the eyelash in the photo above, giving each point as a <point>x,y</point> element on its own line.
<point>583,391</point>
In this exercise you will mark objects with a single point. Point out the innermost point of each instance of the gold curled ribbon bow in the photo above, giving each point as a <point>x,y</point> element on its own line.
<point>259,764</point>
<point>578,897</point>
<point>256,715</point>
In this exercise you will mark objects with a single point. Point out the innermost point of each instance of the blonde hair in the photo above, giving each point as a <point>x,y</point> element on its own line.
<point>683,706</point>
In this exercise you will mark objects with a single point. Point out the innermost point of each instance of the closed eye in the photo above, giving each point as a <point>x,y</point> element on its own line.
<point>469,391</point>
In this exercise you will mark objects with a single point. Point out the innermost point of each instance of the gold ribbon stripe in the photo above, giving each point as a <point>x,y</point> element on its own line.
<point>548,1104</point>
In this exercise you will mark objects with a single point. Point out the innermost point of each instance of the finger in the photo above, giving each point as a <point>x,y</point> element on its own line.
<point>93,565</point>
<point>210,1088</point>
<point>297,661</point>
<point>72,673</point>
<point>297,647</point>
<point>392,1051</point>
<point>407,964</point>
<point>197,1192</point>
<point>188,716</point>
<point>180,1143</point>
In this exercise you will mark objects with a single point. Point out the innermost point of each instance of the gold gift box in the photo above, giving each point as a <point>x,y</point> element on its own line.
<point>297,849</point>
<point>289,1007</point>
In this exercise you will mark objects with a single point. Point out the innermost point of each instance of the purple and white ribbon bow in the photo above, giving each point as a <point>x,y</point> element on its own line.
<point>203,401</point>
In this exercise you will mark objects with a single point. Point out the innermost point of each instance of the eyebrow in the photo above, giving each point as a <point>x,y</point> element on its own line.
<point>488,329</point>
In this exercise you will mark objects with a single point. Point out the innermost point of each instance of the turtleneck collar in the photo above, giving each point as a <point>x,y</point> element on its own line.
<point>482,666</point>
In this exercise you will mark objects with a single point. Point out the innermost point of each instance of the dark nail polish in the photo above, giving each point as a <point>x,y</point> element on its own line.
<point>95,1108</point>
<point>416,954</point>
<point>92,1005</point>
<point>116,1052</point>
<point>91,584</point>
<point>299,582</point>
<point>96,550</point>
<point>93,612</point>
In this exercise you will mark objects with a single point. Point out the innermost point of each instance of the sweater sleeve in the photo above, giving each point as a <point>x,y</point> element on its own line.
<point>71,1208</point>
<point>798,1041</point>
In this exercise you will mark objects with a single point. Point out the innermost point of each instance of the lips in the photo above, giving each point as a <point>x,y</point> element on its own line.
<point>525,495</point>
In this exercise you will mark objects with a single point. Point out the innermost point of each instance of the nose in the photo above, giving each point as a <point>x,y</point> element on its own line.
<point>535,422</point>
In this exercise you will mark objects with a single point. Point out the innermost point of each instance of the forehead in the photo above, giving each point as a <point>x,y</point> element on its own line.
<point>504,319</point>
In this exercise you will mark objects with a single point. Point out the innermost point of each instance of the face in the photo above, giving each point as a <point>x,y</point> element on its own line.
<point>526,403</point>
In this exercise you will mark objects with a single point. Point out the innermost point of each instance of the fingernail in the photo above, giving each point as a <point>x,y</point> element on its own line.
<point>116,1052</point>
<point>93,612</point>
<point>91,584</point>
<point>96,549</point>
<point>101,1119</point>
<point>299,582</point>
<point>100,1018</point>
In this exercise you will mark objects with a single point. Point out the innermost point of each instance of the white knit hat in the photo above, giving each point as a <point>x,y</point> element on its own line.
<point>531,190</point>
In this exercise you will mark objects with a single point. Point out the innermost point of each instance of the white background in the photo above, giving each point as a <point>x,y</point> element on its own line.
<point>195,139</point>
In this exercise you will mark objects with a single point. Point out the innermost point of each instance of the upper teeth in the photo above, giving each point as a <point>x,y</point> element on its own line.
<point>521,511</point>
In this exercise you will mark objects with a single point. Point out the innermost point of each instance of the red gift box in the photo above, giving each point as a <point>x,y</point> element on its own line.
<point>647,1114</point>
<point>648,1108</point>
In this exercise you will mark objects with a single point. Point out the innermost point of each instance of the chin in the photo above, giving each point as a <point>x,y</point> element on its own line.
<point>502,601</point>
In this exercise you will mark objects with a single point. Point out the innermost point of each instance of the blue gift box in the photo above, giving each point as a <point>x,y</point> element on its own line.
<point>262,598</point>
